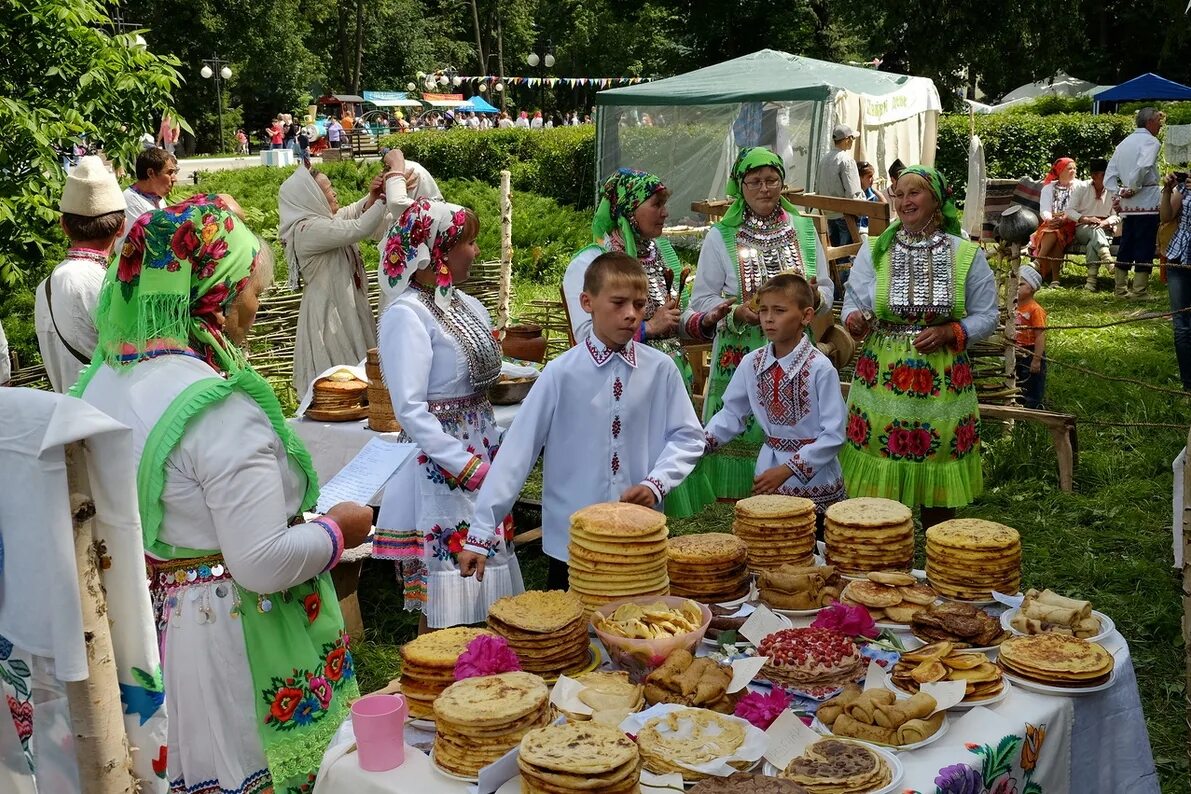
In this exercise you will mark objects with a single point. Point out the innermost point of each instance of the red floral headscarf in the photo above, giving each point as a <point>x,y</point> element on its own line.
<point>1057,169</point>
<point>422,237</point>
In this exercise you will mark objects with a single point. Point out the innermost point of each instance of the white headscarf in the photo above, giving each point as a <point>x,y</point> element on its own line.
<point>300,199</point>
<point>421,238</point>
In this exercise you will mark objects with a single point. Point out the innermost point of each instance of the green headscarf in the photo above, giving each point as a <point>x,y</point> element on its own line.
<point>751,159</point>
<point>621,195</point>
<point>178,266</point>
<point>942,194</point>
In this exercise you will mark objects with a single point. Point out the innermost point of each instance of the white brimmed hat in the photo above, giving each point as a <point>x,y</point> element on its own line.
<point>1029,275</point>
<point>841,131</point>
<point>91,190</point>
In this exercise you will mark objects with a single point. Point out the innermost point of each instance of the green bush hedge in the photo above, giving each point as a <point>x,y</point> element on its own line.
<point>556,163</point>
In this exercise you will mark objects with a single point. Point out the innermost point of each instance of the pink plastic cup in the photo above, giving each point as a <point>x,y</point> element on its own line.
<point>379,724</point>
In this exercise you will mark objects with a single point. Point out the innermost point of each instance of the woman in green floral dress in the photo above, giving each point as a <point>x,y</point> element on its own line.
<point>921,294</point>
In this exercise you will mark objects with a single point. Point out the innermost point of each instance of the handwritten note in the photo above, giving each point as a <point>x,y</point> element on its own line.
<point>761,624</point>
<point>787,738</point>
<point>945,693</point>
<point>366,474</point>
<point>745,670</point>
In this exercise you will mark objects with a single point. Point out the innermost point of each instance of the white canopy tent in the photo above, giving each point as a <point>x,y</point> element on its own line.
<point>689,128</point>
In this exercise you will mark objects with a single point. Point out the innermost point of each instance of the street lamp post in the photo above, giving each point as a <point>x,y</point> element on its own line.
<point>217,68</point>
<point>543,63</point>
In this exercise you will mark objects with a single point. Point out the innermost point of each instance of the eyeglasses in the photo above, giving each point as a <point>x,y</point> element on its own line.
<point>757,184</point>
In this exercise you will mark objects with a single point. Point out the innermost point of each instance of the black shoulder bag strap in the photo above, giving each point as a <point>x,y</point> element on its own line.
<point>49,299</point>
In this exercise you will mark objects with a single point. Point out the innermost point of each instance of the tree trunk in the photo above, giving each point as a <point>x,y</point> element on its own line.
<point>359,59</point>
<point>500,59</point>
<point>475,18</point>
<point>101,745</point>
<point>344,49</point>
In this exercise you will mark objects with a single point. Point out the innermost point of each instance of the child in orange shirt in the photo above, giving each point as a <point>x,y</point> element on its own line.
<point>1031,335</point>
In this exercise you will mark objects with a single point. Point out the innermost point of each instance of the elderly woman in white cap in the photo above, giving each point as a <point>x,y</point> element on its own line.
<point>439,358</point>
<point>335,322</point>
<point>1031,338</point>
<point>64,306</point>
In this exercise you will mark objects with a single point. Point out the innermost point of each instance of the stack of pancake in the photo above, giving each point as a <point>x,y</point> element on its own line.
<point>578,757</point>
<point>617,550</point>
<point>711,567</point>
<point>1056,660</point>
<point>778,530</point>
<point>339,397</point>
<point>839,766</point>
<point>869,534</point>
<point>428,666</point>
<point>478,720</point>
<point>545,629</point>
<point>968,558</point>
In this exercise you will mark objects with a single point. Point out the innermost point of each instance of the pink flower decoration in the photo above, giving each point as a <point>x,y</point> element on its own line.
<point>761,710</point>
<point>486,655</point>
<point>853,621</point>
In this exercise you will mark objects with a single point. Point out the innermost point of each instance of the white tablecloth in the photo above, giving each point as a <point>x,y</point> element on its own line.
<point>1096,744</point>
<point>333,444</point>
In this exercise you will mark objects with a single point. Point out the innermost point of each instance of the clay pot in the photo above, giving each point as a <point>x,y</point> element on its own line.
<point>525,341</point>
<point>1017,224</point>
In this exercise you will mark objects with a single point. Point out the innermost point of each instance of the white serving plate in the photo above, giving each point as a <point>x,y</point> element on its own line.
<point>895,767</point>
<point>1106,625</point>
<point>819,726</point>
<point>1061,691</point>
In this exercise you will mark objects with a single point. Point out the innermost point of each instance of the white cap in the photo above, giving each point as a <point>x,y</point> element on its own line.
<point>841,131</point>
<point>91,190</point>
<point>1030,276</point>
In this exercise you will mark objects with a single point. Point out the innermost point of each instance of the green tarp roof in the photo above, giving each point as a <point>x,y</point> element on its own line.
<point>761,76</point>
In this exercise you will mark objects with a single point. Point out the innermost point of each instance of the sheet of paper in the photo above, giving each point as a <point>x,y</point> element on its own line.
<point>744,611</point>
<point>498,773</point>
<point>787,737</point>
<point>668,782</point>
<point>367,472</point>
<point>875,677</point>
<point>945,693</point>
<point>745,670</point>
<point>761,624</point>
<point>565,695</point>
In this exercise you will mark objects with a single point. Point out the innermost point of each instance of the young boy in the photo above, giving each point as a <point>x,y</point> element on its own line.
<point>613,416</point>
<point>793,392</point>
<point>64,304</point>
<point>1031,335</point>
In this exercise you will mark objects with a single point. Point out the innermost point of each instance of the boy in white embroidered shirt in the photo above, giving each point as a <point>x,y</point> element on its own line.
<point>793,392</point>
<point>611,417</point>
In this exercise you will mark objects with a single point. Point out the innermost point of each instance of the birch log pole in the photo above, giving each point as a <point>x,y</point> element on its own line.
<point>506,252</point>
<point>101,745</point>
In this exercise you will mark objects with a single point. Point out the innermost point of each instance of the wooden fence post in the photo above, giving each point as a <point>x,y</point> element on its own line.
<point>506,251</point>
<point>101,745</point>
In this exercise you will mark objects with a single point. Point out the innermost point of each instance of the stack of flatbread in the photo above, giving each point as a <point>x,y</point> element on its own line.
<point>869,534</point>
<point>478,720</point>
<point>693,736</point>
<point>778,529</point>
<point>968,558</point>
<point>428,666</point>
<point>617,550</point>
<point>611,696</point>
<point>545,629</point>
<point>711,567</point>
<point>338,397</point>
<point>1056,660</point>
<point>586,757</point>
<point>837,766</point>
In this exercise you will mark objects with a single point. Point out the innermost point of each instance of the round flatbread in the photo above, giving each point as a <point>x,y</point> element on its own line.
<point>774,506</point>
<point>872,594</point>
<point>440,649</point>
<point>869,511</point>
<point>491,700</point>
<point>973,534</point>
<point>618,520</point>
<point>537,610</point>
<point>578,748</point>
<point>707,548</point>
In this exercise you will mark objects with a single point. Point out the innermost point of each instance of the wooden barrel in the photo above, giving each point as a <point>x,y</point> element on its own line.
<point>380,407</point>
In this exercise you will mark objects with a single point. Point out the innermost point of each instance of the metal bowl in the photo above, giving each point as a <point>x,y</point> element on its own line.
<point>508,392</point>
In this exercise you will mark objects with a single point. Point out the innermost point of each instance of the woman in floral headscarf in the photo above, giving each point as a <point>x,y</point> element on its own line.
<point>629,218</point>
<point>439,358</point>
<point>760,236</point>
<point>257,672</point>
<point>921,294</point>
<point>1056,231</point>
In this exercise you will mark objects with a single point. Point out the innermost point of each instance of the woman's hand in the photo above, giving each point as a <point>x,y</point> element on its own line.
<point>856,324</point>
<point>354,520</point>
<point>395,160</point>
<point>771,479</point>
<point>639,495</point>
<point>376,190</point>
<point>746,316</point>
<point>712,318</point>
<point>664,323</point>
<point>471,563</point>
<point>933,338</point>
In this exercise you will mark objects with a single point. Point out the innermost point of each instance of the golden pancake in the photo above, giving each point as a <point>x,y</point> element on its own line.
<point>867,511</point>
<point>774,506</point>
<point>618,519</point>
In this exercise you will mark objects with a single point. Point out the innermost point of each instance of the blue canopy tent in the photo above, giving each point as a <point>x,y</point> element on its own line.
<point>1148,86</point>
<point>477,105</point>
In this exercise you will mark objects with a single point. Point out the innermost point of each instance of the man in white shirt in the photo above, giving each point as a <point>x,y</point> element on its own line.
<point>64,305</point>
<point>1132,174</point>
<point>839,176</point>
<point>156,175</point>
<point>1091,209</point>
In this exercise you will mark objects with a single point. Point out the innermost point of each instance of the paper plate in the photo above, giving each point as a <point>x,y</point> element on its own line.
<point>593,661</point>
<point>1106,625</point>
<point>1061,691</point>
<point>823,729</point>
<point>424,725</point>
<point>895,766</point>
<point>450,775</point>
<point>963,705</point>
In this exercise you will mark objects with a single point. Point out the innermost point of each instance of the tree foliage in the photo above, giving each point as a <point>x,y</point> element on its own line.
<point>65,79</point>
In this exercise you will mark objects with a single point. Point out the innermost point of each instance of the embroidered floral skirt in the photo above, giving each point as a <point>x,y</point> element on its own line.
<point>424,519</point>
<point>913,431</point>
<point>730,468</point>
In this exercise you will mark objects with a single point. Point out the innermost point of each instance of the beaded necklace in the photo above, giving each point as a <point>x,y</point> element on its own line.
<point>88,255</point>
<point>765,247</point>
<point>922,274</point>
<point>474,338</point>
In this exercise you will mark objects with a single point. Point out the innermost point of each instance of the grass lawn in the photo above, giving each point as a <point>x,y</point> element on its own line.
<point>1109,541</point>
